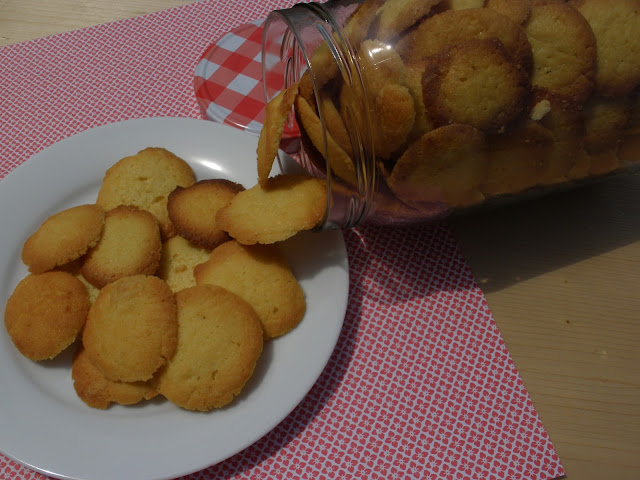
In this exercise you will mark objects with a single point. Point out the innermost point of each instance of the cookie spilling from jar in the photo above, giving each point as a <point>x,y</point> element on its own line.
<point>166,286</point>
<point>472,100</point>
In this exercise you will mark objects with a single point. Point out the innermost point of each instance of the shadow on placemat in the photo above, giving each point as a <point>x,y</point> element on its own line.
<point>516,242</point>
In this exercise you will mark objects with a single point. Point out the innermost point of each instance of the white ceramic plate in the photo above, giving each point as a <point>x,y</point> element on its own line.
<point>45,426</point>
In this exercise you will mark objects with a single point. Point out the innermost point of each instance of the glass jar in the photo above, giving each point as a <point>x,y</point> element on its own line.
<point>414,110</point>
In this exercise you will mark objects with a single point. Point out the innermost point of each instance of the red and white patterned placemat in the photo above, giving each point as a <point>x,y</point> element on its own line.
<point>420,385</point>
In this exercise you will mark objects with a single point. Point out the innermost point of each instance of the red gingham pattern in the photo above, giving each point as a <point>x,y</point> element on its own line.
<point>420,385</point>
<point>228,77</point>
<point>228,81</point>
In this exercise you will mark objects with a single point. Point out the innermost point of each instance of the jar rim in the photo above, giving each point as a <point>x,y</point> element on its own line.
<point>345,207</point>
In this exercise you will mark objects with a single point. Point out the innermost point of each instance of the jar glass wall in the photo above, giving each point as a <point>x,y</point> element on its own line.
<point>413,110</point>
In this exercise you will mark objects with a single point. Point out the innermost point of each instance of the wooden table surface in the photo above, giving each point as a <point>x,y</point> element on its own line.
<point>561,275</point>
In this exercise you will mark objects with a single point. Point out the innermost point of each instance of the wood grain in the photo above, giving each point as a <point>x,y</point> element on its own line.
<point>28,19</point>
<point>561,275</point>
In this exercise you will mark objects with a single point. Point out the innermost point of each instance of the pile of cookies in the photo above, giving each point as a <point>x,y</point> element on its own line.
<point>166,285</point>
<point>476,99</point>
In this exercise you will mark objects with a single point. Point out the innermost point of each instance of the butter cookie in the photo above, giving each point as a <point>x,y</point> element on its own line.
<point>451,27</point>
<point>63,237</point>
<point>45,313</point>
<point>265,214</point>
<point>131,329</point>
<point>277,113</point>
<point>518,159</point>
<point>130,244</point>
<point>218,348</point>
<point>475,83</point>
<point>615,26</point>
<point>564,52</point>
<point>179,258</point>
<point>192,210</point>
<point>97,391</point>
<point>260,276</point>
<point>145,180</point>
<point>516,10</point>
<point>446,165</point>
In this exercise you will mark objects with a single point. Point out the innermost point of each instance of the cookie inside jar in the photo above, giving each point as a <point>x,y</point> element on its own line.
<point>414,109</point>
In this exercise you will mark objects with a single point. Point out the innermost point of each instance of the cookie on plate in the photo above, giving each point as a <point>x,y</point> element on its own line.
<point>63,237</point>
<point>131,329</point>
<point>261,276</point>
<point>145,180</point>
<point>219,345</point>
<point>179,258</point>
<point>97,391</point>
<point>192,210</point>
<point>288,204</point>
<point>130,245</point>
<point>74,269</point>
<point>45,313</point>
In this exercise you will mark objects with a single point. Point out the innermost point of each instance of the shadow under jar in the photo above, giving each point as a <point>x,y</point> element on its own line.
<point>412,110</point>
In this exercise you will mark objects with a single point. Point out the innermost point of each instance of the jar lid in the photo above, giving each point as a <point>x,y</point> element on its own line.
<point>228,80</point>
